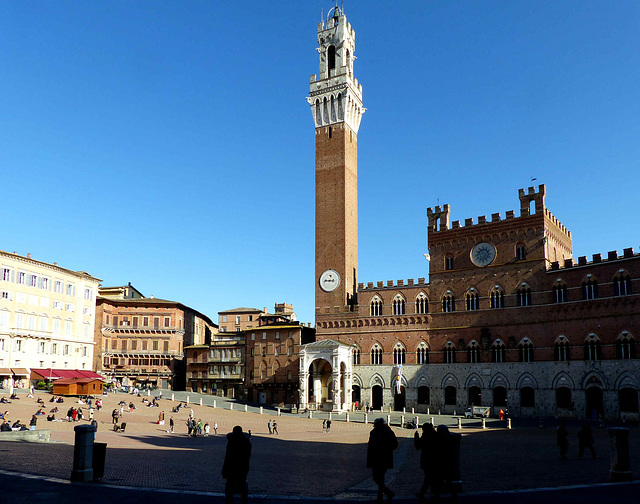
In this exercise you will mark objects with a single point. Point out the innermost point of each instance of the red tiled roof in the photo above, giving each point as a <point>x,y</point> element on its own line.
<point>56,374</point>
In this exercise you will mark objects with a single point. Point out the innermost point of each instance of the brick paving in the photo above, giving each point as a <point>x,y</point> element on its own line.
<point>301,461</point>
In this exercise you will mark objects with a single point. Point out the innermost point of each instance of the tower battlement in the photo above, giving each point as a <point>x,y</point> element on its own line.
<point>439,216</point>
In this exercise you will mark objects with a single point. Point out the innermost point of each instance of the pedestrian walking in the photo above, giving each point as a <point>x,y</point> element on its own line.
<point>382,442</point>
<point>274,426</point>
<point>324,426</point>
<point>215,428</point>
<point>562,440</point>
<point>427,446</point>
<point>236,465</point>
<point>328,426</point>
<point>585,440</point>
<point>171,425</point>
<point>206,429</point>
<point>269,427</point>
<point>445,470</point>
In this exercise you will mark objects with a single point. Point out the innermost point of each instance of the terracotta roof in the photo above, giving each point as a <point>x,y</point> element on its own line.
<point>241,310</point>
<point>57,374</point>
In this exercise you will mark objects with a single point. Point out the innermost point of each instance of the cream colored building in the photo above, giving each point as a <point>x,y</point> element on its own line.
<point>47,317</point>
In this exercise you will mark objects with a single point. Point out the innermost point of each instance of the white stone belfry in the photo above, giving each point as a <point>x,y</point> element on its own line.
<point>335,95</point>
<point>326,370</point>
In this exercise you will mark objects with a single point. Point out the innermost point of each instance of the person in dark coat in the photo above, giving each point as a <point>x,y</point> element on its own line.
<point>445,463</point>
<point>585,440</point>
<point>236,465</point>
<point>562,440</point>
<point>427,445</point>
<point>382,442</point>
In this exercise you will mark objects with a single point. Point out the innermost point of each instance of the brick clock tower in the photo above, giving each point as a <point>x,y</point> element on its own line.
<point>336,104</point>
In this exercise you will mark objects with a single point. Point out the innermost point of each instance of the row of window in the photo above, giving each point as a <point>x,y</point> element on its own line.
<point>8,274</point>
<point>276,335</point>
<point>51,348</point>
<point>135,361</point>
<point>627,397</point>
<point>43,302</point>
<point>559,294</point>
<point>158,322</point>
<point>626,348</point>
<point>136,344</point>
<point>54,364</point>
<point>41,323</point>
<point>284,350</point>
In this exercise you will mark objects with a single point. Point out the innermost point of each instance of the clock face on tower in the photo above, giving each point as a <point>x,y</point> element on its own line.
<point>329,280</point>
<point>483,254</point>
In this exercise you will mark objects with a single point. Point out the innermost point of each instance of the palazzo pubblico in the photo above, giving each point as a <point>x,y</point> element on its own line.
<point>508,318</point>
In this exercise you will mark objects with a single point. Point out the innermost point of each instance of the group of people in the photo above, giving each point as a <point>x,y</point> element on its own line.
<point>585,440</point>
<point>272,426</point>
<point>197,428</point>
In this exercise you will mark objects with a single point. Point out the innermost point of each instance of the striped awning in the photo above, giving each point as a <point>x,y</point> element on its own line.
<point>19,371</point>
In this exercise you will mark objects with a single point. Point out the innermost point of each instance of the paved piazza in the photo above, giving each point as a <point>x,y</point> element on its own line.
<point>301,460</point>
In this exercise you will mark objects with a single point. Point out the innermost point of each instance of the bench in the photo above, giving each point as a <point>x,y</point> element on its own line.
<point>33,436</point>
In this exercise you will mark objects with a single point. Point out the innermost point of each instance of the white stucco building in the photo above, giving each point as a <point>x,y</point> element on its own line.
<point>47,317</point>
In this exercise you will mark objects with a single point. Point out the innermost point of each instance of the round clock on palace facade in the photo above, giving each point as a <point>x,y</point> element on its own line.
<point>483,254</point>
<point>329,280</point>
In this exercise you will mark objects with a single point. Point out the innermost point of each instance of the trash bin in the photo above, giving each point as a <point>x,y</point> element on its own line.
<point>99,455</point>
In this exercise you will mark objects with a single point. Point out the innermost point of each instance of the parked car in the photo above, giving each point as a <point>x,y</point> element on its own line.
<point>477,411</point>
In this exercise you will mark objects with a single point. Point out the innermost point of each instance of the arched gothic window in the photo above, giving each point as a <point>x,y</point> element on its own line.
<point>625,347</point>
<point>525,351</point>
<point>399,354</point>
<point>376,354</point>
<point>524,295</point>
<point>422,303</point>
<point>422,353</point>
<point>592,348</point>
<point>590,289</point>
<point>449,353</point>
<point>622,284</point>
<point>560,293</point>
<point>498,351</point>
<point>398,305</point>
<point>471,298</point>
<point>448,302</point>
<point>473,352</point>
<point>497,297</point>
<point>376,307</point>
<point>356,356</point>
<point>561,349</point>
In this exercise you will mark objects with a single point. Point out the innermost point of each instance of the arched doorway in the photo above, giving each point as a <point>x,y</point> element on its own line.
<point>594,402</point>
<point>355,394</point>
<point>475,396</point>
<point>399,399</point>
<point>376,397</point>
<point>320,382</point>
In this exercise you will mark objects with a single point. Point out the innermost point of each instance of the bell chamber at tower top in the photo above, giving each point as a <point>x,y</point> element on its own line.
<point>335,95</point>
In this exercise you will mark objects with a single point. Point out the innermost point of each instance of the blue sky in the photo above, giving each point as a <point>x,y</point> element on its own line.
<point>169,144</point>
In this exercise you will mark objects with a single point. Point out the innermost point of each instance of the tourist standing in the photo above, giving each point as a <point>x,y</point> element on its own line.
<point>585,440</point>
<point>426,444</point>
<point>562,440</point>
<point>328,426</point>
<point>382,442</point>
<point>236,466</point>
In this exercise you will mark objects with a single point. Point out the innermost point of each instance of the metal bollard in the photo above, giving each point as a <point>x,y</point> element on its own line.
<point>404,410</point>
<point>366,418</point>
<point>279,414</point>
<point>310,414</point>
<point>214,403</point>
<point>508,423</point>
<point>388,419</point>
<point>433,422</point>
<point>347,417</point>
<point>201,401</point>
<point>187,399</point>
<point>401,420</point>
<point>173,397</point>
<point>329,415</point>
<point>261,410</point>
<point>413,411</point>
<point>83,453</point>
<point>245,408</point>
<point>230,406</point>
<point>459,423</point>
<point>619,454</point>
<point>484,423</point>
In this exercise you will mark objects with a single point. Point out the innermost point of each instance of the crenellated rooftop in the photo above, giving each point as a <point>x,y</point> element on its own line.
<point>439,216</point>
<point>595,259</point>
<point>392,284</point>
